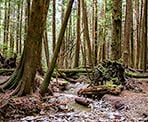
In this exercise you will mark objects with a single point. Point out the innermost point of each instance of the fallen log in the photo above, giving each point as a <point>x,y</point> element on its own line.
<point>99,91</point>
<point>75,70</point>
<point>127,73</point>
<point>136,75</point>
<point>83,101</point>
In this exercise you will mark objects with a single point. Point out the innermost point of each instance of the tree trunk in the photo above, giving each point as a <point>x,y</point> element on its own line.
<point>77,50</point>
<point>137,33</point>
<point>94,32</point>
<point>20,36</point>
<point>22,80</point>
<point>145,48</point>
<point>86,32</point>
<point>131,59</point>
<point>61,54</point>
<point>17,30</point>
<point>140,34</point>
<point>46,47</point>
<point>6,25</point>
<point>44,86</point>
<point>54,24</point>
<point>127,32</point>
<point>117,29</point>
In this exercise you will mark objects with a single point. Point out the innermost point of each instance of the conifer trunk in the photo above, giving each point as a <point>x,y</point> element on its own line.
<point>44,86</point>
<point>22,80</point>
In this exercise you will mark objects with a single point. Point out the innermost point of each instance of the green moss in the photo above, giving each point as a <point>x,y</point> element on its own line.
<point>110,84</point>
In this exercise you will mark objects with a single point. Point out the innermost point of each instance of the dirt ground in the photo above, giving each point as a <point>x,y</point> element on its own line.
<point>130,106</point>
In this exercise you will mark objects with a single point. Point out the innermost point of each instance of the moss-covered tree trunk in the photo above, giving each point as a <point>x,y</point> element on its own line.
<point>22,80</point>
<point>116,32</point>
<point>44,86</point>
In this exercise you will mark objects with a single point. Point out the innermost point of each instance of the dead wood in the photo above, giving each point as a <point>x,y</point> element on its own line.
<point>99,91</point>
<point>136,75</point>
<point>82,101</point>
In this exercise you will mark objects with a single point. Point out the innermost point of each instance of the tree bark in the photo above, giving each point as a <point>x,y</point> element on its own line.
<point>54,24</point>
<point>46,47</point>
<point>137,50</point>
<point>77,50</point>
<point>86,32</point>
<point>22,80</point>
<point>117,29</point>
<point>127,32</point>
<point>145,48</point>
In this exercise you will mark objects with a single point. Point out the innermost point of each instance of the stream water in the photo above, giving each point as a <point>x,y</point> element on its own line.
<point>98,111</point>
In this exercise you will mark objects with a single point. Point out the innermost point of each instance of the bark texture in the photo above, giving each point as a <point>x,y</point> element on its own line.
<point>22,80</point>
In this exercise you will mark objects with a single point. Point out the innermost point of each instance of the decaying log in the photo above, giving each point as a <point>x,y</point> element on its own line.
<point>75,70</point>
<point>127,73</point>
<point>99,91</point>
<point>83,101</point>
<point>136,75</point>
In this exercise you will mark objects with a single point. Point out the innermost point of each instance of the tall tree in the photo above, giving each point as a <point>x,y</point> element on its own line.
<point>131,60</point>
<point>127,32</point>
<point>95,3</point>
<point>21,24</point>
<point>22,80</point>
<point>104,30</point>
<point>137,40</point>
<point>18,27</point>
<point>46,47</point>
<point>86,32</point>
<point>77,50</point>
<point>61,54</point>
<point>116,31</point>
<point>141,31</point>
<point>44,86</point>
<point>145,37</point>
<point>54,24</point>
<point>6,24</point>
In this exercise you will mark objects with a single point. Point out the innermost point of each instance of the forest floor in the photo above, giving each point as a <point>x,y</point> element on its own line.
<point>130,106</point>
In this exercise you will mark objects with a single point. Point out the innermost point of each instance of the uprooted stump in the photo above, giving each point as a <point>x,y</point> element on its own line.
<point>109,71</point>
<point>107,78</point>
<point>99,91</point>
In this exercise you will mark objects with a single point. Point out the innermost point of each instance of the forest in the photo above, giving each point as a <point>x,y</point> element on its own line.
<point>73,61</point>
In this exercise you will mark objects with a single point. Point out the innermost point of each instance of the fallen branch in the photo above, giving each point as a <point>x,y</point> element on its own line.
<point>82,101</point>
